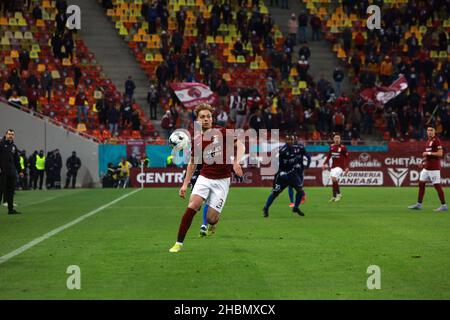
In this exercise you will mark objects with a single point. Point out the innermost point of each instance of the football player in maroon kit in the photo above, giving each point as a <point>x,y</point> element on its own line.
<point>431,170</point>
<point>338,152</point>
<point>214,181</point>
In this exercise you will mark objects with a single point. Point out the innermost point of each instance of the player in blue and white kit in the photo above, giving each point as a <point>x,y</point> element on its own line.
<point>290,173</point>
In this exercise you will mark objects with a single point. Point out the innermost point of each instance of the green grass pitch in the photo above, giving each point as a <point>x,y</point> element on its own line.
<point>122,251</point>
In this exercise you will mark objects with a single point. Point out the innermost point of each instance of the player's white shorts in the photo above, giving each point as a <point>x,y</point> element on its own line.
<point>214,191</point>
<point>336,172</point>
<point>433,176</point>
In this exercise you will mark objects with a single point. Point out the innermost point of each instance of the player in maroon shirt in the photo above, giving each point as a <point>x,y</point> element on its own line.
<point>431,170</point>
<point>338,152</point>
<point>214,181</point>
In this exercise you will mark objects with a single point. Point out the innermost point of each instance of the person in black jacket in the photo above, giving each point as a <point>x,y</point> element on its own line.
<point>37,12</point>
<point>73,163</point>
<point>338,76</point>
<point>32,166</point>
<point>24,59</point>
<point>9,169</point>
<point>57,166</point>
<point>110,178</point>
<point>129,87</point>
<point>50,170</point>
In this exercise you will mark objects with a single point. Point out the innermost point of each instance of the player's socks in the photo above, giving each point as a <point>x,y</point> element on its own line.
<point>421,192</point>
<point>205,221</point>
<point>303,197</point>
<point>186,222</point>
<point>269,201</point>
<point>298,199</point>
<point>440,192</point>
<point>205,212</point>
<point>335,189</point>
<point>291,194</point>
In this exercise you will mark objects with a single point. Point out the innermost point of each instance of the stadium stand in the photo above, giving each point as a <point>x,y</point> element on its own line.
<point>238,50</point>
<point>288,96</point>
<point>52,72</point>
<point>413,40</point>
<point>227,51</point>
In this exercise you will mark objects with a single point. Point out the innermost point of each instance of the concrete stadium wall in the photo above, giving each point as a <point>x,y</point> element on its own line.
<point>32,133</point>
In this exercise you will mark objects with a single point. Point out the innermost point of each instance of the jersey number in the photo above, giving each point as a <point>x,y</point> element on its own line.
<point>220,204</point>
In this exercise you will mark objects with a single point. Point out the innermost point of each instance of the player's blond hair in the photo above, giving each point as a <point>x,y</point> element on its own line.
<point>203,106</point>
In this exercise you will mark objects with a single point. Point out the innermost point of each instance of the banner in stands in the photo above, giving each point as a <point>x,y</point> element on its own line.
<point>381,95</point>
<point>192,94</point>
<point>399,167</point>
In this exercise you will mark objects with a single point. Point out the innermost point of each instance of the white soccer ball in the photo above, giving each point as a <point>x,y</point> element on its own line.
<point>179,140</point>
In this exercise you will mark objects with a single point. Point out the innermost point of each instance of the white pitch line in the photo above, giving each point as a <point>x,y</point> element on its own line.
<point>36,241</point>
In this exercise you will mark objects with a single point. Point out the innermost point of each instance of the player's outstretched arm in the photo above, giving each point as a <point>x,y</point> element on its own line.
<point>189,172</point>
<point>239,155</point>
<point>308,159</point>
<point>346,160</point>
<point>327,159</point>
<point>439,153</point>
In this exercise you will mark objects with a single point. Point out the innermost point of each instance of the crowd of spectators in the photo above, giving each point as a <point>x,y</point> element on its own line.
<point>318,108</point>
<point>97,105</point>
<point>413,41</point>
<point>268,106</point>
<point>321,108</point>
